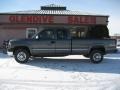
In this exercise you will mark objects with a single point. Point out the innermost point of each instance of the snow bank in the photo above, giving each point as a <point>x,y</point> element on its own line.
<point>73,72</point>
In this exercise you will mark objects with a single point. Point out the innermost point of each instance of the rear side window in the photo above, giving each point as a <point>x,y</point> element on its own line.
<point>100,31</point>
<point>78,33</point>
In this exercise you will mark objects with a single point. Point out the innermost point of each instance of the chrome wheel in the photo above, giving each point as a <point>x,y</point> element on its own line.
<point>21,56</point>
<point>97,57</point>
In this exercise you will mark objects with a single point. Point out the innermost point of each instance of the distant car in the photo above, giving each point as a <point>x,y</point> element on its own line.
<point>61,42</point>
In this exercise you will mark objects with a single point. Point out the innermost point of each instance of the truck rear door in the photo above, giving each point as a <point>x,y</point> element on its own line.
<point>63,42</point>
<point>80,44</point>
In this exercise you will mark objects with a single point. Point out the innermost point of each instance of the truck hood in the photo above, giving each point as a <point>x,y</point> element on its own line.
<point>19,41</point>
<point>16,40</point>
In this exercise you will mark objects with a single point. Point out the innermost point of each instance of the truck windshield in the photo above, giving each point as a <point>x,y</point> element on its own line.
<point>34,36</point>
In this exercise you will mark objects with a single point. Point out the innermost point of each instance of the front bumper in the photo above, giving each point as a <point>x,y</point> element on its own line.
<point>9,53</point>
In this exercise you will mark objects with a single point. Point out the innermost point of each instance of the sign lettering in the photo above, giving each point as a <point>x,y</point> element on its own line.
<point>31,19</point>
<point>81,20</point>
<point>46,19</point>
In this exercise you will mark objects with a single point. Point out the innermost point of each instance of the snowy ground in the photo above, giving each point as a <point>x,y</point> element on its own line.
<point>60,73</point>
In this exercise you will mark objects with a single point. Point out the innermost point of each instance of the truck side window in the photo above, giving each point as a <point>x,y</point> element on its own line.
<point>62,34</point>
<point>46,34</point>
<point>31,32</point>
<point>99,31</point>
<point>79,33</point>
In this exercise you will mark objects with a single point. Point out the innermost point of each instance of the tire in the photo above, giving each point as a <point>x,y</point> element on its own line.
<point>21,55</point>
<point>86,55</point>
<point>96,56</point>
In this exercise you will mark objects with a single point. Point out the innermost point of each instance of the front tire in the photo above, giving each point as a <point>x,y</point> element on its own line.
<point>21,55</point>
<point>96,56</point>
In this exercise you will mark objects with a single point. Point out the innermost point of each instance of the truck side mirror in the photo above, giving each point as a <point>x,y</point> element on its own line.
<point>36,37</point>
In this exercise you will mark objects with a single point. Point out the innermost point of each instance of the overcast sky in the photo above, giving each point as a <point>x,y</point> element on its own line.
<point>107,7</point>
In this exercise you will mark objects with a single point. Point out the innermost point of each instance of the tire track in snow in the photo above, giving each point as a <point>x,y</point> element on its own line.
<point>55,83</point>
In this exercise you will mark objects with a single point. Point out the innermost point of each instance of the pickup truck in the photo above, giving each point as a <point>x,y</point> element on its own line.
<point>61,42</point>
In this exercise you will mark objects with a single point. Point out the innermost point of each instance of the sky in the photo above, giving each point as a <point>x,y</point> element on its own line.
<point>105,7</point>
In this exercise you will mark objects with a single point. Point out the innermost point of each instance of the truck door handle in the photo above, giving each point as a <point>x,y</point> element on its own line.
<point>52,42</point>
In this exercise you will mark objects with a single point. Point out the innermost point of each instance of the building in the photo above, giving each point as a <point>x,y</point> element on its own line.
<point>23,24</point>
<point>117,37</point>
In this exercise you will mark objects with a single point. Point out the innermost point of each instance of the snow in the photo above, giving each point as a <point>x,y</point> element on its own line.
<point>73,72</point>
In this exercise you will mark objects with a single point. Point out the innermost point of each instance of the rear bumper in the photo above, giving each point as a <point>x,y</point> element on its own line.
<point>112,51</point>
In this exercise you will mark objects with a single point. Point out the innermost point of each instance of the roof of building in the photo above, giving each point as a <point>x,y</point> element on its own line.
<point>53,5</point>
<point>53,9</point>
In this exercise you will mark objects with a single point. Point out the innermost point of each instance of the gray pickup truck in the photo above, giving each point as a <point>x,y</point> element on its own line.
<point>61,42</point>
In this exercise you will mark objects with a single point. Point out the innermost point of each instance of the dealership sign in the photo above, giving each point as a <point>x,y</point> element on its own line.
<point>51,20</point>
<point>46,19</point>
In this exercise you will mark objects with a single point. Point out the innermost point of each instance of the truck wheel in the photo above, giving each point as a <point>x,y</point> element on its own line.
<point>21,55</point>
<point>96,56</point>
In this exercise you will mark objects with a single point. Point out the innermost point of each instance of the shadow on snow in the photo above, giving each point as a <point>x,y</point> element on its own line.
<point>78,65</point>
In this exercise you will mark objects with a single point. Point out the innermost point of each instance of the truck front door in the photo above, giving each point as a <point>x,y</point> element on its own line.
<point>44,44</point>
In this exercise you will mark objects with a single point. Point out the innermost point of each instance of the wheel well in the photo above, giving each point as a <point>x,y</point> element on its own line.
<point>100,48</point>
<point>21,47</point>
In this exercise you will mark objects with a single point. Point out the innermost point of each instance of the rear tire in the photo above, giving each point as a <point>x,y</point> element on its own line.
<point>96,56</point>
<point>21,55</point>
